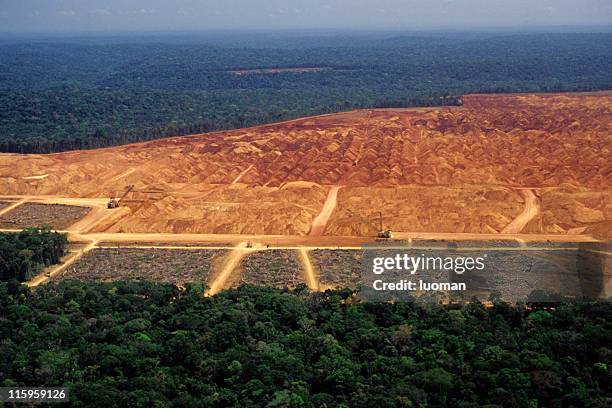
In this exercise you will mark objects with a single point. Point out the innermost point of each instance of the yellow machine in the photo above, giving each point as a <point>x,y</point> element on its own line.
<point>114,202</point>
<point>383,234</point>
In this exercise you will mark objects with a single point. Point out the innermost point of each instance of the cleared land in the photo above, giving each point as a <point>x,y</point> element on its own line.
<point>574,210</point>
<point>57,216</point>
<point>337,267</point>
<point>163,265</point>
<point>232,209</point>
<point>275,267</point>
<point>292,201</point>
<point>451,170</point>
<point>510,273</point>
<point>424,209</point>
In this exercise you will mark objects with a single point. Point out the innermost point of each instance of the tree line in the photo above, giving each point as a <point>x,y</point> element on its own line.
<point>63,96</point>
<point>24,254</point>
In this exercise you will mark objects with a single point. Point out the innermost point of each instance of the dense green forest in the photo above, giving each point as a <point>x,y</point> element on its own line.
<point>142,344</point>
<point>24,254</point>
<point>63,94</point>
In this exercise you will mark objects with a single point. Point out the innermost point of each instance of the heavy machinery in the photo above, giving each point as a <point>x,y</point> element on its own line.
<point>114,202</point>
<point>382,234</point>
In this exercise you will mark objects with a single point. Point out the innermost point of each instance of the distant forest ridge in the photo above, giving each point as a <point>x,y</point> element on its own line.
<point>65,94</point>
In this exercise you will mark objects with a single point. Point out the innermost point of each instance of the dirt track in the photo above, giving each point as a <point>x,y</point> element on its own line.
<point>232,262</point>
<point>309,275</point>
<point>12,206</point>
<point>532,210</point>
<point>54,270</point>
<point>319,223</point>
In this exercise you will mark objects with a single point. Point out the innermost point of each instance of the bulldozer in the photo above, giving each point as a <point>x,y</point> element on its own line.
<point>114,202</point>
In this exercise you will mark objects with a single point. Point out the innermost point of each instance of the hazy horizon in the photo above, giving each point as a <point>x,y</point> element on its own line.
<point>124,16</point>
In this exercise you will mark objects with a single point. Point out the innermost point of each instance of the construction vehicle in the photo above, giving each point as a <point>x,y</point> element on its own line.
<point>382,234</point>
<point>114,202</point>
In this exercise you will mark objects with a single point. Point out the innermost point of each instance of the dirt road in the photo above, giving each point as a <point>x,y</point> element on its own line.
<point>329,241</point>
<point>232,262</point>
<point>78,232</point>
<point>55,269</point>
<point>285,241</point>
<point>320,222</point>
<point>532,209</point>
<point>12,206</point>
<point>309,275</point>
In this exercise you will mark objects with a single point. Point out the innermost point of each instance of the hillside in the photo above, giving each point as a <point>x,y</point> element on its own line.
<point>473,160</point>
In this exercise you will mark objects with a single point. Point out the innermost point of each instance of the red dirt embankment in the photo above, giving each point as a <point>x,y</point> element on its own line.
<point>274,178</point>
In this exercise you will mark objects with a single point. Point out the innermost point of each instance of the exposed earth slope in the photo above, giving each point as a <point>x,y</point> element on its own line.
<point>432,169</point>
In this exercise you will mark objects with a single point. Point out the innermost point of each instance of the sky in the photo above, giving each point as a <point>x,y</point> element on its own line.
<point>180,15</point>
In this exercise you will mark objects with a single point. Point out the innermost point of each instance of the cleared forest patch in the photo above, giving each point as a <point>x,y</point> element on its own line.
<point>428,170</point>
<point>161,265</point>
<point>466,209</point>
<point>57,216</point>
<point>276,267</point>
<point>337,267</point>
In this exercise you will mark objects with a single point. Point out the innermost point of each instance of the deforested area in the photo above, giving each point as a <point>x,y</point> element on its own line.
<point>337,267</point>
<point>175,266</point>
<point>293,204</point>
<point>56,216</point>
<point>277,267</point>
<point>484,167</point>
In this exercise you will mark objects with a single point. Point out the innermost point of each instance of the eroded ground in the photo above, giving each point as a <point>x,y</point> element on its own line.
<point>432,169</point>
<point>160,265</point>
<point>233,209</point>
<point>422,209</point>
<point>574,210</point>
<point>56,216</point>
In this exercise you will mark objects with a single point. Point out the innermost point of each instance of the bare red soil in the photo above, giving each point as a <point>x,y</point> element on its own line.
<point>430,169</point>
